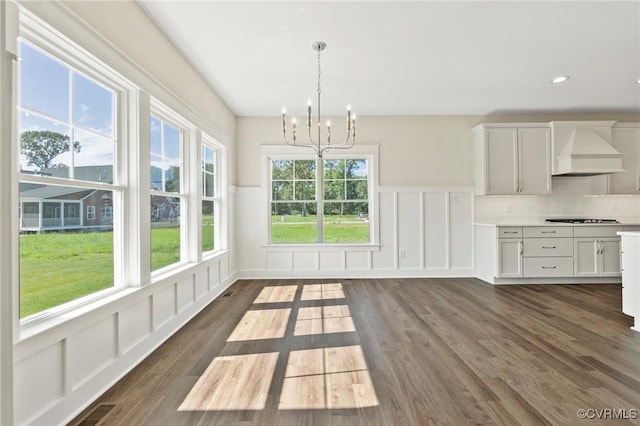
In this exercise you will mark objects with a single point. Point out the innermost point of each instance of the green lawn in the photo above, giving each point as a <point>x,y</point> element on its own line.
<point>302,229</point>
<point>56,268</point>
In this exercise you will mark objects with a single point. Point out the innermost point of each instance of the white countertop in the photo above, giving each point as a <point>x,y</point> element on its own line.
<point>543,223</point>
<point>629,234</point>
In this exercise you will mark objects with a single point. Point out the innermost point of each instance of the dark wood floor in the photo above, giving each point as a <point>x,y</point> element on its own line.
<point>437,351</point>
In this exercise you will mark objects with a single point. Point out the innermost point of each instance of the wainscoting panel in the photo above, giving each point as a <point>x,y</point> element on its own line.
<point>90,350</point>
<point>436,230</point>
<point>134,323</point>
<point>45,371</point>
<point>61,371</point>
<point>422,232</point>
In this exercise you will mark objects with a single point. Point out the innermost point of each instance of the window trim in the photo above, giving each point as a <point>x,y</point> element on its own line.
<point>217,198</point>
<point>284,152</point>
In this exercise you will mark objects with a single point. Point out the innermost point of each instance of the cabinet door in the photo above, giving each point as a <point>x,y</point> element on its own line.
<point>510,258</point>
<point>534,161</point>
<point>609,262</point>
<point>630,276</point>
<point>501,161</point>
<point>626,141</point>
<point>585,257</point>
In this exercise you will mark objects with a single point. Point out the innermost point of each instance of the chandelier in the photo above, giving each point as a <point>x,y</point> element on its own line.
<point>319,146</point>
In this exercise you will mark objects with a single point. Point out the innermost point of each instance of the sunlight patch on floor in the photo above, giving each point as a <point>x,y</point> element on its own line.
<point>261,324</point>
<point>330,378</point>
<point>324,320</point>
<point>239,382</point>
<point>322,291</point>
<point>277,294</point>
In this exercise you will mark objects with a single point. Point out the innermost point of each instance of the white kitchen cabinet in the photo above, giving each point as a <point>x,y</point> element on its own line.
<point>625,138</point>
<point>512,159</point>
<point>630,262</point>
<point>510,257</point>
<point>597,257</point>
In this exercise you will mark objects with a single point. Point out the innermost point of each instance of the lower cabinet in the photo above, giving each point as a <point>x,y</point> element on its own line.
<point>510,257</point>
<point>558,251</point>
<point>597,257</point>
<point>631,275</point>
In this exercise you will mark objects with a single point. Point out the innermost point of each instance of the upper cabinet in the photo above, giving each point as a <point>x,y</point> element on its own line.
<point>625,138</point>
<point>512,159</point>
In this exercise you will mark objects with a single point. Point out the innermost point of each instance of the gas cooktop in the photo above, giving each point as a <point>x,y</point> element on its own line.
<point>571,220</point>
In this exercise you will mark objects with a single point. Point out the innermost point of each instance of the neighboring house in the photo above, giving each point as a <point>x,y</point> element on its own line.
<point>55,208</point>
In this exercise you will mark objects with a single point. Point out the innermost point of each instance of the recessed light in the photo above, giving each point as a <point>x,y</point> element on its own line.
<point>560,79</point>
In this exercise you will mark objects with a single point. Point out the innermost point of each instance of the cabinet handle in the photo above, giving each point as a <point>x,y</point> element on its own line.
<point>549,247</point>
<point>521,245</point>
<point>548,232</point>
<point>548,267</point>
<point>509,232</point>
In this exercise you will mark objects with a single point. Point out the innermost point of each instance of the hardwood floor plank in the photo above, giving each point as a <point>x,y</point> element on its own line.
<point>389,352</point>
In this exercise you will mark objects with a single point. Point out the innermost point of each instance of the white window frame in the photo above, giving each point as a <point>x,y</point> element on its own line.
<point>185,194</point>
<point>217,198</point>
<point>53,43</point>
<point>91,212</point>
<point>284,152</point>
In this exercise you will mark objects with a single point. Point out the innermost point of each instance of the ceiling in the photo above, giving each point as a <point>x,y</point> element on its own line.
<point>412,58</point>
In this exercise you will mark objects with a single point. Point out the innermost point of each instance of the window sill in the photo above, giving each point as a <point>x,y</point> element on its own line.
<point>314,247</point>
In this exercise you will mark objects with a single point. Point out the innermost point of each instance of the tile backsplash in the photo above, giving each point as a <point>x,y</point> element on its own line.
<point>572,196</point>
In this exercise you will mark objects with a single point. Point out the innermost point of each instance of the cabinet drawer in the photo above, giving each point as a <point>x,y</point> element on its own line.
<point>548,231</point>
<point>596,231</point>
<point>548,267</point>
<point>541,247</point>
<point>509,232</point>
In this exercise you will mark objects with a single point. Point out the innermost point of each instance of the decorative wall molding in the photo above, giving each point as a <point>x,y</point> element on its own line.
<point>425,231</point>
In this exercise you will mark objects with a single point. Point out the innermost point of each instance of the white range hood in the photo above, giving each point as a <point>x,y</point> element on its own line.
<point>583,148</point>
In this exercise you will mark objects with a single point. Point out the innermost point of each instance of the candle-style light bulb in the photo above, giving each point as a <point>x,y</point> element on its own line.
<point>284,120</point>
<point>309,113</point>
<point>348,119</point>
<point>354,127</point>
<point>328,132</point>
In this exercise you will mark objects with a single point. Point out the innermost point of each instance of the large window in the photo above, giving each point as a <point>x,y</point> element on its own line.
<point>68,146</point>
<point>166,193</point>
<point>344,194</point>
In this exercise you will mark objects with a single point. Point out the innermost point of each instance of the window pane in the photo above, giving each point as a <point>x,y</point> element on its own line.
<point>44,83</point>
<point>208,159</point>
<point>92,105</point>
<point>305,190</point>
<point>156,172</point>
<point>208,184</point>
<point>156,136</point>
<point>357,190</point>
<point>165,231</point>
<point>207,225</point>
<point>282,190</point>
<point>334,169</point>
<point>172,178</point>
<point>305,169</point>
<point>282,170</point>
<point>171,142</point>
<point>93,153</point>
<point>65,254</point>
<point>334,190</point>
<point>293,223</point>
<point>44,144</point>
<point>356,169</point>
<point>346,222</point>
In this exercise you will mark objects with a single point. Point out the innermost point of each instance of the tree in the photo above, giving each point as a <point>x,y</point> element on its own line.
<point>42,146</point>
